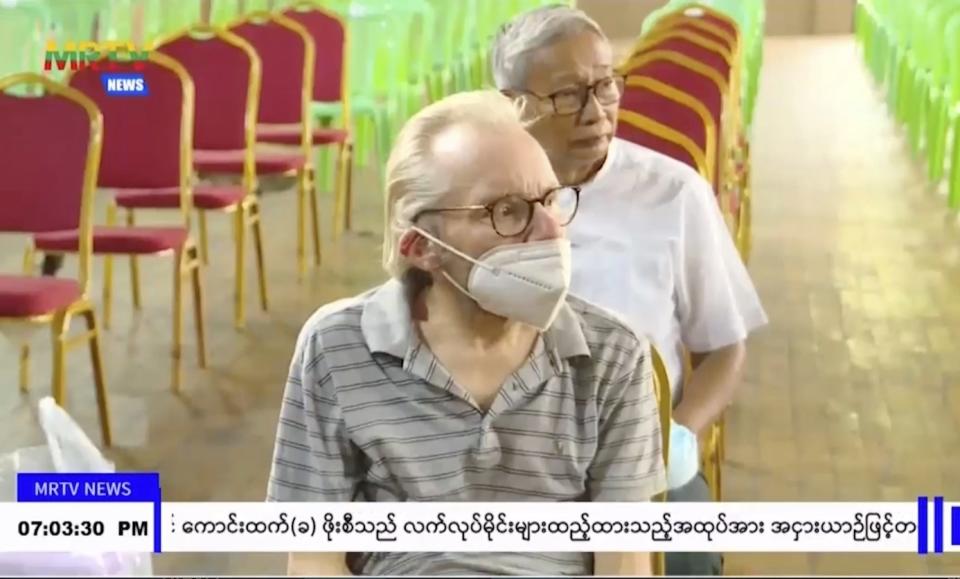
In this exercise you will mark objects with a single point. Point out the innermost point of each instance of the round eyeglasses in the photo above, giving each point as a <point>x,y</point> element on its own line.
<point>511,214</point>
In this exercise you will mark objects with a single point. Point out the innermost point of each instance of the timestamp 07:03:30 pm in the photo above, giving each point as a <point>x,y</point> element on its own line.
<point>80,528</point>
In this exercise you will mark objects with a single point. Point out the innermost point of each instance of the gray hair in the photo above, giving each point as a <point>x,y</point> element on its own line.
<point>413,181</point>
<point>532,31</point>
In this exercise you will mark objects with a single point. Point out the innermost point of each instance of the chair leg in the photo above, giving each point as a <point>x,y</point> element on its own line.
<point>721,439</point>
<point>24,368</point>
<point>204,238</point>
<point>339,204</point>
<point>58,330</point>
<point>107,289</point>
<point>178,272</point>
<point>108,272</point>
<point>301,224</point>
<point>103,407</point>
<point>239,238</point>
<point>344,192</point>
<point>198,308</point>
<point>134,268</point>
<point>314,220</point>
<point>253,214</point>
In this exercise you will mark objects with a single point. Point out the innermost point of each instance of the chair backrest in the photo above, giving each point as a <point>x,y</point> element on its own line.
<point>646,132</point>
<point>697,26</point>
<point>287,54</point>
<point>226,77</point>
<point>676,109</point>
<point>331,42</point>
<point>689,44</point>
<point>687,75</point>
<point>51,153</point>
<point>147,139</point>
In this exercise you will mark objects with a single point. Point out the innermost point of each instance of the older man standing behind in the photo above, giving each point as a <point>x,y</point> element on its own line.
<point>649,241</point>
<point>470,375</point>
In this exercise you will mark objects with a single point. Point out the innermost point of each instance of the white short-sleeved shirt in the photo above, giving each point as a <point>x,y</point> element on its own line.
<point>650,244</point>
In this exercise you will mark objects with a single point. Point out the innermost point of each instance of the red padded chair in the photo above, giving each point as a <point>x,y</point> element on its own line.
<point>146,147</point>
<point>707,86</point>
<point>51,152</point>
<point>706,18</point>
<point>676,109</point>
<point>647,132</point>
<point>330,87</point>
<point>286,56</point>
<point>226,75</point>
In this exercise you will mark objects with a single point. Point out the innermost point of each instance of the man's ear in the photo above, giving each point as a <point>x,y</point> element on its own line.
<point>418,251</point>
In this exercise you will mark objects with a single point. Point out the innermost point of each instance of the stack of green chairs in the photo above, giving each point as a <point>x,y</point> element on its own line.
<point>912,50</point>
<point>24,31</point>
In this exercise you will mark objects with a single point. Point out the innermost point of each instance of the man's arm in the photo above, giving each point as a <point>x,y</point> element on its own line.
<point>637,564</point>
<point>718,308</point>
<point>712,386</point>
<point>628,466</point>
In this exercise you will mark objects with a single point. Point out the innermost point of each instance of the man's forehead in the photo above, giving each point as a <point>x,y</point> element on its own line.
<point>493,160</point>
<point>572,57</point>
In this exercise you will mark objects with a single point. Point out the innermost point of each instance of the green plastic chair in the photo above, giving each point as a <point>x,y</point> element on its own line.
<point>934,88</point>
<point>24,30</point>
<point>952,108</point>
<point>223,12</point>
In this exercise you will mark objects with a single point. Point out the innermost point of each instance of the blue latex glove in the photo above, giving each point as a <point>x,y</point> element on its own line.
<point>684,459</point>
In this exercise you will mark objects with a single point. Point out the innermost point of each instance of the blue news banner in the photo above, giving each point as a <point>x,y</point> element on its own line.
<point>936,524</point>
<point>127,487</point>
<point>124,84</point>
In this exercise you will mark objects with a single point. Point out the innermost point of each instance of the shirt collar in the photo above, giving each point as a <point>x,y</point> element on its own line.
<point>387,326</point>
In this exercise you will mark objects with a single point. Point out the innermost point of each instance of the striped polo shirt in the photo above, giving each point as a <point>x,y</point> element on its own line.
<point>369,414</point>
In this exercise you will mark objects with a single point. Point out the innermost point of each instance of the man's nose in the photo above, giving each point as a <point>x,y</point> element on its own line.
<point>544,225</point>
<point>592,110</point>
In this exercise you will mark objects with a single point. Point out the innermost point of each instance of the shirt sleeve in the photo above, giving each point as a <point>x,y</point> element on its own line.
<point>629,466</point>
<point>313,458</point>
<point>717,302</point>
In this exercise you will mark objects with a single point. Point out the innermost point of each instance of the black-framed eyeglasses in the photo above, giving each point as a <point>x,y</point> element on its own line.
<point>573,100</point>
<point>511,214</point>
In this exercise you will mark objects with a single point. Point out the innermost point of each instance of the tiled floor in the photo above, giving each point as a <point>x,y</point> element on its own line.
<point>851,393</point>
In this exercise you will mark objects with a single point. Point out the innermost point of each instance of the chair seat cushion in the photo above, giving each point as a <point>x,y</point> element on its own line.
<point>204,197</point>
<point>231,162</point>
<point>125,240</point>
<point>290,135</point>
<point>22,297</point>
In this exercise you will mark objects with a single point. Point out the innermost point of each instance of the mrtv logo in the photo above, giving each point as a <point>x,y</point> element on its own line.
<point>110,58</point>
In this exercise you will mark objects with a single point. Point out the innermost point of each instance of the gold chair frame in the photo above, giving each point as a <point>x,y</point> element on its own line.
<point>60,321</point>
<point>187,261</point>
<point>305,187</point>
<point>343,181</point>
<point>661,382</point>
<point>247,212</point>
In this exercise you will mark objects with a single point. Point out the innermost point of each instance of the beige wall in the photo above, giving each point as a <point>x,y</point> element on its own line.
<point>622,18</point>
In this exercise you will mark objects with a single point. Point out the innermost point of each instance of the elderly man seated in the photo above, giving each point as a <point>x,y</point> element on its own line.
<point>471,375</point>
<point>649,241</point>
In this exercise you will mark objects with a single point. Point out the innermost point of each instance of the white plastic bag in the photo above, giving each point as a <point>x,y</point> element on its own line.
<point>68,449</point>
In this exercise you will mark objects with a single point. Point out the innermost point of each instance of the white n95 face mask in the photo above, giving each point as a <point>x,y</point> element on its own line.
<point>684,460</point>
<point>525,282</point>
